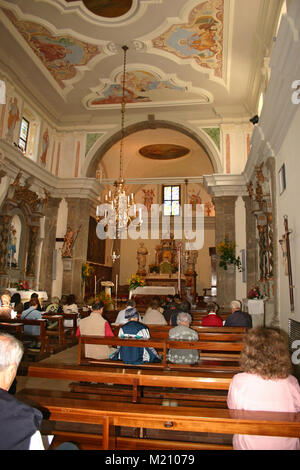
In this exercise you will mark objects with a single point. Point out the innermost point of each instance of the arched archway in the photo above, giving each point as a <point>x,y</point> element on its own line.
<point>200,137</point>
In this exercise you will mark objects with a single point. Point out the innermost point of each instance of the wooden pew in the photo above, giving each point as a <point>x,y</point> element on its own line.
<point>57,406</point>
<point>140,383</point>
<point>204,333</point>
<point>43,338</point>
<point>15,329</point>
<point>57,339</point>
<point>215,355</point>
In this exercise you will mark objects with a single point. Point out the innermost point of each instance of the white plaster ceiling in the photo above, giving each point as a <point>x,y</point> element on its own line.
<point>202,58</point>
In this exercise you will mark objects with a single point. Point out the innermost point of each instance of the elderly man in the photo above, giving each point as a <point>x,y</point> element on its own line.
<point>19,423</point>
<point>237,317</point>
<point>183,332</point>
<point>135,330</point>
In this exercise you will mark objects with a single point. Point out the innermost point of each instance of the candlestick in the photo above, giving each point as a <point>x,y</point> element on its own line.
<point>116,298</point>
<point>95,285</point>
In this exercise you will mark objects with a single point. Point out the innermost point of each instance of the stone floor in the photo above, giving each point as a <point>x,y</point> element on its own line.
<point>68,356</point>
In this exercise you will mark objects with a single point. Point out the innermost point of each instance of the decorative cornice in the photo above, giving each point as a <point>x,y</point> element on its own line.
<point>41,179</point>
<point>225,185</point>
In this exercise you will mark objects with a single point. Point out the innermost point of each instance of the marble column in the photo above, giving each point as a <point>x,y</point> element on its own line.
<point>5,221</point>
<point>78,217</point>
<point>48,247</point>
<point>31,254</point>
<point>225,228</point>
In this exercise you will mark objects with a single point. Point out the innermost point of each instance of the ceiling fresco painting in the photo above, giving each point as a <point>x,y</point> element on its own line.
<point>107,8</point>
<point>61,55</point>
<point>163,151</point>
<point>201,39</point>
<point>143,86</point>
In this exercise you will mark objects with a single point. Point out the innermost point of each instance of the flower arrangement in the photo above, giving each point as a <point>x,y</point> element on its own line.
<point>22,285</point>
<point>105,298</point>
<point>154,268</point>
<point>226,250</point>
<point>86,271</point>
<point>135,281</point>
<point>254,293</point>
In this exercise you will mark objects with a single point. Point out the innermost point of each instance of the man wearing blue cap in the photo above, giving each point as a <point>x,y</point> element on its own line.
<point>134,329</point>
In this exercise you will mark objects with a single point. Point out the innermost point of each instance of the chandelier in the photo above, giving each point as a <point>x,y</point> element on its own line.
<point>123,207</point>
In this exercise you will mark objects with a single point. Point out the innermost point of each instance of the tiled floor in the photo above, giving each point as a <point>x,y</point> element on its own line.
<point>68,356</point>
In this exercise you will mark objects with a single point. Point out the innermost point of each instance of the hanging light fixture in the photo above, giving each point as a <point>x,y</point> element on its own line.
<point>123,206</point>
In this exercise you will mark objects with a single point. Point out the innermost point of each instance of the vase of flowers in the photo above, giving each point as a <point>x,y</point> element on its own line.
<point>104,297</point>
<point>134,282</point>
<point>255,293</point>
<point>22,285</point>
<point>226,252</point>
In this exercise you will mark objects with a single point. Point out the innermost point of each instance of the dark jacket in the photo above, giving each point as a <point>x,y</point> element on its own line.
<point>239,318</point>
<point>18,422</point>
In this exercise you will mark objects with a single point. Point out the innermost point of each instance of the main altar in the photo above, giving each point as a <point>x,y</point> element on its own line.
<point>173,269</point>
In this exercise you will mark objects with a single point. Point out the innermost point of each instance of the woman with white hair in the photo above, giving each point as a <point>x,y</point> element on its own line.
<point>183,332</point>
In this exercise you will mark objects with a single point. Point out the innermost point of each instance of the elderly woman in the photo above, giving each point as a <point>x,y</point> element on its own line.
<point>266,384</point>
<point>183,332</point>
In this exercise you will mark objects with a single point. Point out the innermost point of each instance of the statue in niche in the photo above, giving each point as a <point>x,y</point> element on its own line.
<point>142,253</point>
<point>69,240</point>
<point>12,247</point>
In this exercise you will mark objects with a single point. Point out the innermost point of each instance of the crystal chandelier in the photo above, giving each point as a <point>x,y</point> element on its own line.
<point>122,205</point>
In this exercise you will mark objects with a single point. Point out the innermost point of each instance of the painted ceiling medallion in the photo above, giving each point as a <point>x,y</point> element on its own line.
<point>163,151</point>
<point>107,8</point>
<point>61,55</point>
<point>200,39</point>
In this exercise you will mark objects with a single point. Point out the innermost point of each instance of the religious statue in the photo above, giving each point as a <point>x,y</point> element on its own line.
<point>142,253</point>
<point>12,247</point>
<point>69,240</point>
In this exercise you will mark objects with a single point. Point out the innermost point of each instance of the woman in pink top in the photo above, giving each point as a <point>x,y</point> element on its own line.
<point>266,384</point>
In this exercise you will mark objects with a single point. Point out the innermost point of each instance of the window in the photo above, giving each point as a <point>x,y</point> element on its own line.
<point>24,134</point>
<point>171,200</point>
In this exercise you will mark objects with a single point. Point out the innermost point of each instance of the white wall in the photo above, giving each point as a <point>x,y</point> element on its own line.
<point>240,234</point>
<point>288,204</point>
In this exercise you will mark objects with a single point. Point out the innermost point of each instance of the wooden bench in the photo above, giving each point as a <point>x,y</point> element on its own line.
<point>57,406</point>
<point>139,382</point>
<point>41,352</point>
<point>214,355</point>
<point>15,329</point>
<point>204,333</point>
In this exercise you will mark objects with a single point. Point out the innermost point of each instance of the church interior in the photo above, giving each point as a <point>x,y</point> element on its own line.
<point>150,148</point>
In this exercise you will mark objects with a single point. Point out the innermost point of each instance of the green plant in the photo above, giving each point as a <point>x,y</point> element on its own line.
<point>86,271</point>
<point>226,251</point>
<point>154,268</point>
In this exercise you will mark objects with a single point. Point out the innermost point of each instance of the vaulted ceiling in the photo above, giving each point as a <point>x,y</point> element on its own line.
<point>200,57</point>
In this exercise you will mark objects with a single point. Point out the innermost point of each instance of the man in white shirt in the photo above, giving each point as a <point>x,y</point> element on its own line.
<point>121,318</point>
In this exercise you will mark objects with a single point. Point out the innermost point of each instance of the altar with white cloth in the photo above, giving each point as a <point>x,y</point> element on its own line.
<point>26,294</point>
<point>255,308</point>
<point>154,290</point>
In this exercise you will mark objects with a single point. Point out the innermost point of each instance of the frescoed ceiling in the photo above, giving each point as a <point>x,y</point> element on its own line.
<point>194,55</point>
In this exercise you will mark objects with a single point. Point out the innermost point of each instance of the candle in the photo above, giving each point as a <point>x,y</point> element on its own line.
<point>95,285</point>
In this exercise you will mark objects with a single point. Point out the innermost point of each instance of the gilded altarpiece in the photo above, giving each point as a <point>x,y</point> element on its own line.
<point>28,207</point>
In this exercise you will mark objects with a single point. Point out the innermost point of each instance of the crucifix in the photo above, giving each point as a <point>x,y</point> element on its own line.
<point>285,245</point>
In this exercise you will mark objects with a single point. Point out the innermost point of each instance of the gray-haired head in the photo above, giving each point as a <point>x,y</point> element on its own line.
<point>11,351</point>
<point>235,305</point>
<point>130,303</point>
<point>184,317</point>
